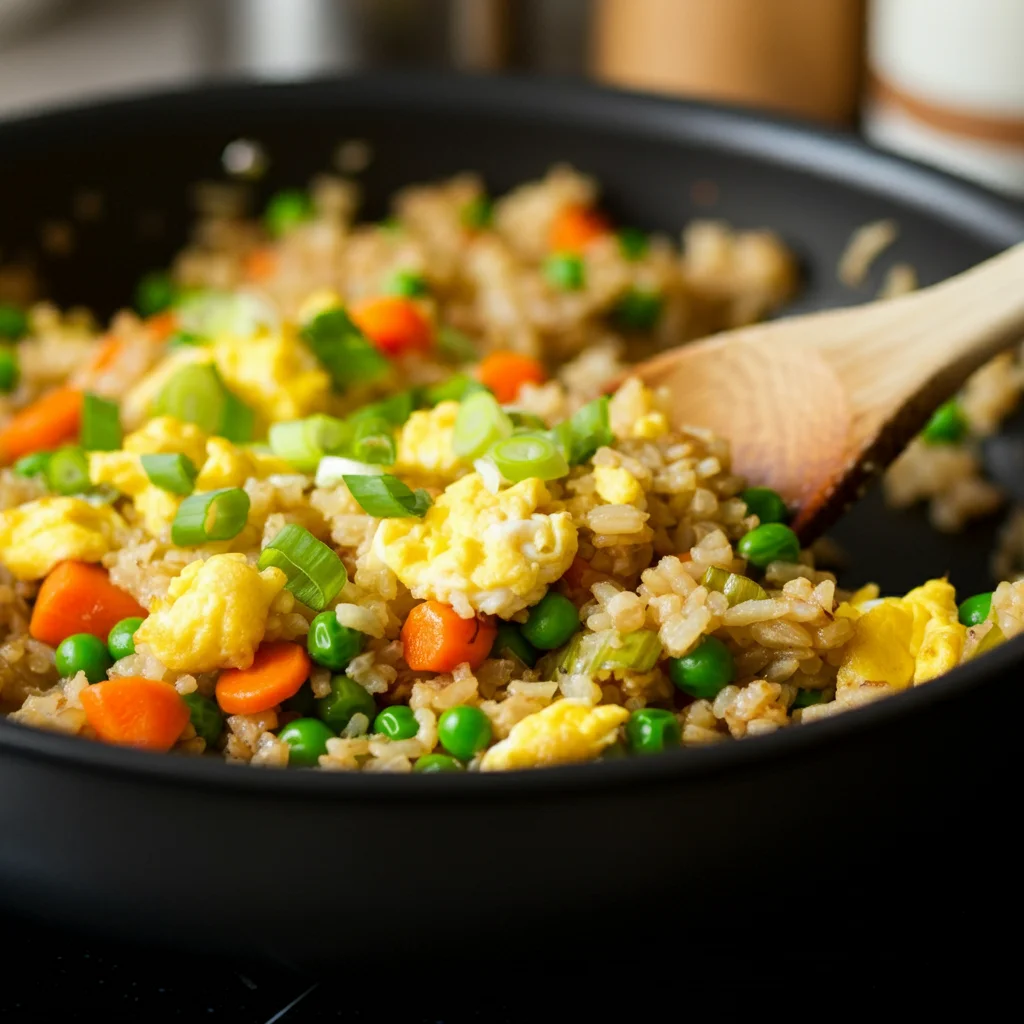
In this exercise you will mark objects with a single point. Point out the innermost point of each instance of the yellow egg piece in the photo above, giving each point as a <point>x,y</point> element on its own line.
<point>165,435</point>
<point>227,465</point>
<point>425,442</point>
<point>561,733</point>
<point>650,426</point>
<point>617,485</point>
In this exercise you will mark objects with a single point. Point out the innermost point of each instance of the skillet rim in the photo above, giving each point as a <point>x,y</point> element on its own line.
<point>826,153</point>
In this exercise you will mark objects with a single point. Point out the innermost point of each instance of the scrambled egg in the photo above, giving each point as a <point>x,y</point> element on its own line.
<point>479,551</point>
<point>35,536</point>
<point>425,441</point>
<point>634,413</point>
<point>214,615</point>
<point>902,640</point>
<point>562,732</point>
<point>617,485</point>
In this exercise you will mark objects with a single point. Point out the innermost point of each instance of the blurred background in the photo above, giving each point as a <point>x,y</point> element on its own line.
<point>940,80</point>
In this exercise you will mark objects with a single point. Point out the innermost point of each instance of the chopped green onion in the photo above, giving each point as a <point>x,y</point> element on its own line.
<point>607,651</point>
<point>526,421</point>
<point>481,422</point>
<point>155,293</point>
<point>454,389</point>
<point>334,468</point>
<point>410,284</point>
<point>303,443</point>
<point>736,588</point>
<point>32,465</point>
<point>638,310</point>
<point>633,243</point>
<point>68,471</point>
<point>315,573</point>
<point>175,473</point>
<point>343,350</point>
<point>211,515</point>
<point>239,420</point>
<point>13,322</point>
<point>386,497</point>
<point>195,394</point>
<point>10,372</point>
<point>286,210</point>
<point>565,271</point>
<point>588,429</point>
<point>523,456</point>
<point>396,409</point>
<point>101,425</point>
<point>374,441</point>
<point>186,339</point>
<point>455,346</point>
<point>477,213</point>
<point>211,313</point>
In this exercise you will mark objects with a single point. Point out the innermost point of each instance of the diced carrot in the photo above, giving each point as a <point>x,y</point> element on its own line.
<point>277,673</point>
<point>574,228</point>
<point>135,712</point>
<point>437,638</point>
<point>394,324</point>
<point>260,264</point>
<point>48,422</point>
<point>506,372</point>
<point>78,597</point>
<point>162,325</point>
<point>106,354</point>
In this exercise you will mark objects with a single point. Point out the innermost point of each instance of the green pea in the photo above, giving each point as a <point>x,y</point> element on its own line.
<point>286,210</point>
<point>307,738</point>
<point>155,293</point>
<point>463,730</point>
<point>430,764</point>
<point>302,702</point>
<point>947,425</point>
<point>83,652</point>
<point>705,670</point>
<point>638,310</point>
<point>32,465</point>
<point>770,542</point>
<point>10,374</point>
<point>121,639</point>
<point>766,504</point>
<point>477,213</point>
<point>510,641</point>
<point>652,730</point>
<point>551,621</point>
<point>633,244</point>
<point>13,322</point>
<point>975,610</point>
<point>408,283</point>
<point>331,644</point>
<point>347,698</point>
<point>397,723</point>
<point>207,719</point>
<point>565,271</point>
<point>805,698</point>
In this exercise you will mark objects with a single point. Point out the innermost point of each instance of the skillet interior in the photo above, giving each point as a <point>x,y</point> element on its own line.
<point>144,155</point>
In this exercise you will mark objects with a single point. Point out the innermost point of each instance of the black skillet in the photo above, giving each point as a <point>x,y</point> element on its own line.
<point>878,817</point>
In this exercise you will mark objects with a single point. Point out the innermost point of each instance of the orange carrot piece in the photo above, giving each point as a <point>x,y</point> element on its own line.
<point>574,228</point>
<point>506,372</point>
<point>78,597</point>
<point>48,422</point>
<point>437,638</point>
<point>162,325</point>
<point>106,354</point>
<point>136,712</point>
<point>260,264</point>
<point>277,672</point>
<point>394,324</point>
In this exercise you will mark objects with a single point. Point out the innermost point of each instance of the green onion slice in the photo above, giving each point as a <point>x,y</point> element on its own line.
<point>343,350</point>
<point>736,588</point>
<point>481,422</point>
<point>396,409</point>
<point>238,314</point>
<point>175,473</point>
<point>32,465</point>
<point>67,472</point>
<point>386,497</point>
<point>101,425</point>
<point>374,441</point>
<point>589,653</point>
<point>526,421</point>
<point>334,468</point>
<point>196,394</point>
<point>315,573</point>
<point>454,389</point>
<point>523,456</point>
<point>408,283</point>
<point>211,515</point>
<point>303,443</point>
<point>588,429</point>
<point>239,424</point>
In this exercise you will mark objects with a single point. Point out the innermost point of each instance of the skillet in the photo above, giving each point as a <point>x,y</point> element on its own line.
<point>870,817</point>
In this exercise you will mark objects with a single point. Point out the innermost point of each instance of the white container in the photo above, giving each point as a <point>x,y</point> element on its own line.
<point>946,85</point>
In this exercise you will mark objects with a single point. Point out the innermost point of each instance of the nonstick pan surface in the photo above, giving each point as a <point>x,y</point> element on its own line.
<point>820,828</point>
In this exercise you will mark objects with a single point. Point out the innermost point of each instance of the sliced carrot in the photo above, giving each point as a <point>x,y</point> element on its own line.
<point>574,228</point>
<point>394,324</point>
<point>277,672</point>
<point>106,354</point>
<point>506,372</point>
<point>437,638</point>
<point>48,422</point>
<point>260,264</point>
<point>78,597</point>
<point>135,712</point>
<point>162,325</point>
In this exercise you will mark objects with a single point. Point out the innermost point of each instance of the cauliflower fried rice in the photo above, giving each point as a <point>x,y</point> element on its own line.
<point>349,496</point>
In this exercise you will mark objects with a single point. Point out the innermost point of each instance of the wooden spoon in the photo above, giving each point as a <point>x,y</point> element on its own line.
<point>814,405</point>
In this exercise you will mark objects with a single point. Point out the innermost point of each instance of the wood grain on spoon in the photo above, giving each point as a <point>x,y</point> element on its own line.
<point>813,405</point>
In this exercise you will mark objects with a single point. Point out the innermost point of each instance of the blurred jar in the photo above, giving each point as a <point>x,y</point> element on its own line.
<point>799,57</point>
<point>946,85</point>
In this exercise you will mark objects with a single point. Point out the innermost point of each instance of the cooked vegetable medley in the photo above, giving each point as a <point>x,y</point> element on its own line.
<point>351,496</point>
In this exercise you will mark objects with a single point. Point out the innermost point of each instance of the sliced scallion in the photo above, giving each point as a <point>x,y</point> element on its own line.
<point>606,651</point>
<point>172,472</point>
<point>67,472</point>
<point>386,497</point>
<point>334,468</point>
<point>736,588</point>
<point>101,425</point>
<point>480,422</point>
<point>237,314</point>
<point>195,394</point>
<point>588,429</point>
<point>374,441</point>
<point>304,443</point>
<point>527,455</point>
<point>209,516</point>
<point>526,420</point>
<point>239,423</point>
<point>454,389</point>
<point>396,409</point>
<point>343,350</point>
<point>315,573</point>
